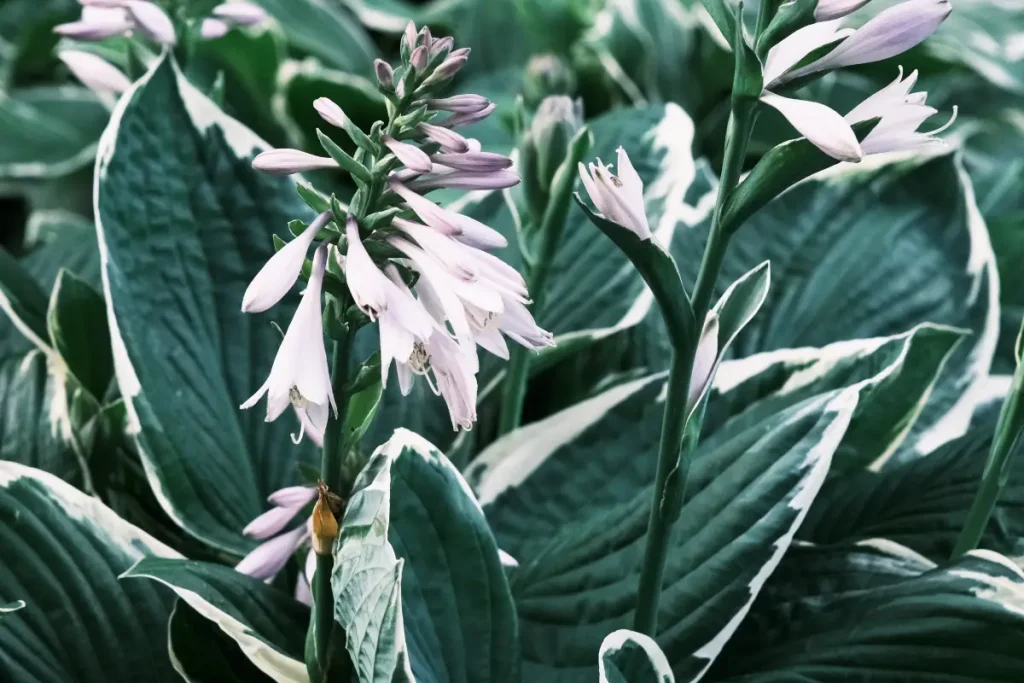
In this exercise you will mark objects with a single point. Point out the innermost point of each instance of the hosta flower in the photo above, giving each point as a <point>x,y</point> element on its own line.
<point>94,72</point>
<point>901,113</point>
<point>120,17</point>
<point>890,32</point>
<point>282,270</point>
<point>240,13</point>
<point>619,198</point>
<point>152,21</point>
<point>289,161</point>
<point>835,9</point>
<point>463,228</point>
<point>300,376</point>
<point>270,557</point>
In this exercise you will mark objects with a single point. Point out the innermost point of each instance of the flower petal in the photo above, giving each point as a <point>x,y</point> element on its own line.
<point>824,127</point>
<point>790,50</point>
<point>293,496</point>
<point>270,557</point>
<point>281,271</point>
<point>271,522</point>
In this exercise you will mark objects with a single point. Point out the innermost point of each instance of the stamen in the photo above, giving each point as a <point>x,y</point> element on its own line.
<point>302,432</point>
<point>946,125</point>
<point>297,399</point>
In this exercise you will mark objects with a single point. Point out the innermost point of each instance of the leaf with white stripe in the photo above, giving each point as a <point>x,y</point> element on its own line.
<point>631,657</point>
<point>63,552</point>
<point>878,612</point>
<point>267,625</point>
<point>418,582</point>
<point>184,222</point>
<point>568,496</point>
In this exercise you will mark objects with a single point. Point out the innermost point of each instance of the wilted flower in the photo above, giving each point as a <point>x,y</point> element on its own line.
<point>619,198</point>
<point>300,375</point>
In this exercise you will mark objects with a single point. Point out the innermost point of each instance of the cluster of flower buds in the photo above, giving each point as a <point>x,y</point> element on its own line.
<point>889,33</point>
<point>423,272</point>
<point>102,19</point>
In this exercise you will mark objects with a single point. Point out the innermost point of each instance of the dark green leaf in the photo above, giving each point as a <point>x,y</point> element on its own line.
<point>77,322</point>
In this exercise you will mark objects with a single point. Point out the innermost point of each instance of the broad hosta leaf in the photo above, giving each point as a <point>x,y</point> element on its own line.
<point>202,653</point>
<point>568,496</point>
<point>418,583</point>
<point>879,612</point>
<point>48,132</point>
<point>923,503</point>
<point>63,552</point>
<point>631,657</point>
<point>867,251</point>
<point>184,223</point>
<point>268,625</point>
<point>57,239</point>
<point>326,30</point>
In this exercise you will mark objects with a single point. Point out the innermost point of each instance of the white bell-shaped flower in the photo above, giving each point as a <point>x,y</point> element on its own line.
<point>619,198</point>
<point>281,271</point>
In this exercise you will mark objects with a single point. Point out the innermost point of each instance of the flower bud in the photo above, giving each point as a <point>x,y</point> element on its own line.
<point>152,21</point>
<point>419,58</point>
<point>385,74</point>
<point>325,525</point>
<point>94,72</point>
<point>547,75</point>
<point>552,129</point>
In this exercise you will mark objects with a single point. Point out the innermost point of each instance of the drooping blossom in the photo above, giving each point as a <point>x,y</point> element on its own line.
<point>619,198</point>
<point>300,376</point>
<point>282,270</point>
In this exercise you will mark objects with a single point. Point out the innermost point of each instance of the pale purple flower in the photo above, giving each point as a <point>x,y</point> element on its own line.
<point>476,162</point>
<point>152,21</point>
<point>94,72</point>
<point>329,111</point>
<point>240,13</point>
<point>890,32</point>
<point>835,9</point>
<point>268,558</point>
<point>411,156</point>
<point>450,370</point>
<point>451,65</point>
<point>460,104</point>
<point>300,375</point>
<point>704,360</point>
<point>901,113</point>
<point>424,38</point>
<point>448,139</point>
<point>468,118</point>
<point>442,45</point>
<point>418,59</point>
<point>788,52</point>
<point>281,271</point>
<point>463,228</point>
<point>289,161</point>
<point>619,198</point>
<point>385,75</point>
<point>97,22</point>
<point>466,180</point>
<point>820,124</point>
<point>287,503</point>
<point>212,28</point>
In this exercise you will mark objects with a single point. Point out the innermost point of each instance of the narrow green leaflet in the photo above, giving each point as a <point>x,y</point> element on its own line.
<point>879,612</point>
<point>418,583</point>
<point>63,552</point>
<point>871,250</point>
<point>269,626</point>
<point>325,30</point>
<point>48,131</point>
<point>77,326</point>
<point>631,657</point>
<point>184,223</point>
<point>922,503</point>
<point>568,496</point>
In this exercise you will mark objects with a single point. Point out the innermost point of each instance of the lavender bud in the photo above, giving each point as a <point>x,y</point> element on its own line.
<point>419,58</point>
<point>466,180</point>
<point>449,139</point>
<point>288,161</point>
<point>424,38</point>
<point>442,45</point>
<point>467,118</point>
<point>240,13</point>
<point>477,162</point>
<point>553,127</point>
<point>385,74</point>
<point>448,68</point>
<point>409,37</point>
<point>152,21</point>
<point>212,28</point>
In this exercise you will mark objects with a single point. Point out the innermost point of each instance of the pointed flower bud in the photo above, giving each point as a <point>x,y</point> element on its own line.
<point>466,180</point>
<point>477,162</point>
<point>556,122</point>
<point>547,75</point>
<point>460,104</point>
<point>890,32</point>
<point>468,118</point>
<point>212,28</point>
<point>152,21</point>
<point>325,526</point>
<point>282,270</point>
<point>94,72</point>
<point>409,36</point>
<point>836,9</point>
<point>419,58</point>
<point>98,23</point>
<point>452,64</point>
<point>269,558</point>
<point>385,74</point>
<point>288,161</point>
<point>288,502</point>
<point>449,139</point>
<point>620,198</point>
<point>240,13</point>
<point>703,361</point>
<point>442,45</point>
<point>411,156</point>
<point>329,111</point>
<point>424,38</point>
<point>300,375</point>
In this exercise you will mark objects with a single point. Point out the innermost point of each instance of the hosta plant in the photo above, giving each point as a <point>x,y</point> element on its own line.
<point>423,389</point>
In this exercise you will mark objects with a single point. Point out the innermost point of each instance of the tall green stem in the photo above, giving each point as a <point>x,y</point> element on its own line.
<point>331,459</point>
<point>997,469</point>
<point>670,479</point>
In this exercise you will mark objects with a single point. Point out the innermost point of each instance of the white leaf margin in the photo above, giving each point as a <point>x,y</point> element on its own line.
<point>616,640</point>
